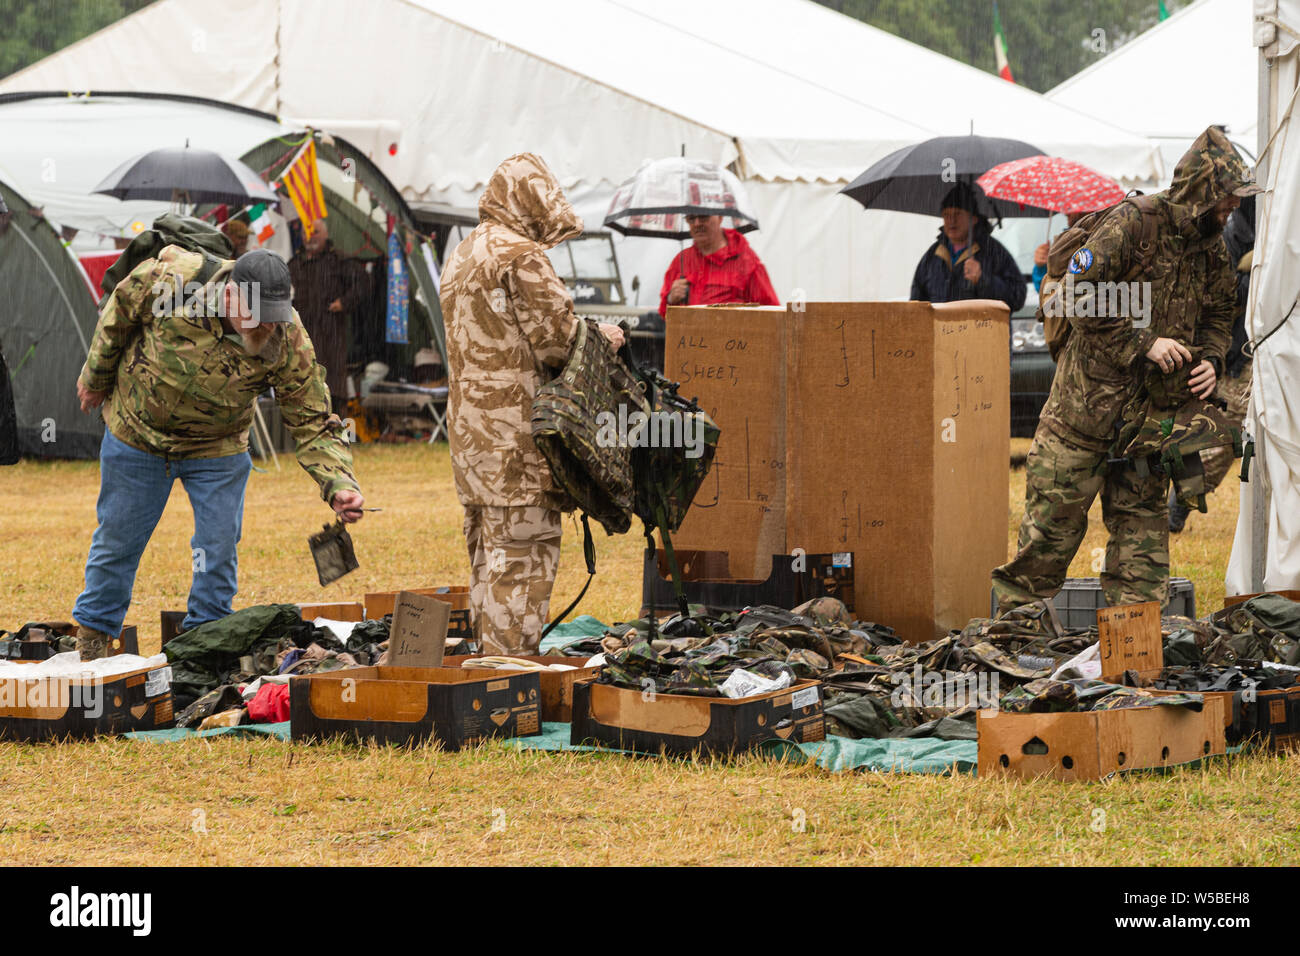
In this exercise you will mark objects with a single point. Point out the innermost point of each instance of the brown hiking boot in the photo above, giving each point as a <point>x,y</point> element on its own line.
<point>92,644</point>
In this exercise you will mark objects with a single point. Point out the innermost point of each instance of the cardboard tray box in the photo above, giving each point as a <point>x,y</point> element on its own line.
<point>455,706</point>
<point>557,686</point>
<point>1096,744</point>
<point>679,724</point>
<point>34,709</point>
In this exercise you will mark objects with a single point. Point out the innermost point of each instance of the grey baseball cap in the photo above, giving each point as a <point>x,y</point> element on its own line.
<point>263,280</point>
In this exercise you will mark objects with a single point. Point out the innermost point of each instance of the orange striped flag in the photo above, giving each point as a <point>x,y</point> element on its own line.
<point>303,184</point>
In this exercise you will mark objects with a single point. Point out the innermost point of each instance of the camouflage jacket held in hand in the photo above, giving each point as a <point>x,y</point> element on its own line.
<point>1187,293</point>
<point>181,387</point>
<point>508,316</point>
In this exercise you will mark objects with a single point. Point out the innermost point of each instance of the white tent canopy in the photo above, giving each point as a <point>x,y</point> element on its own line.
<point>800,98</point>
<point>1205,54</point>
<point>56,150</point>
<point>1266,550</point>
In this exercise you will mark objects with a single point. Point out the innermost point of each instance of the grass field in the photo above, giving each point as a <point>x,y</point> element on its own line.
<point>117,802</point>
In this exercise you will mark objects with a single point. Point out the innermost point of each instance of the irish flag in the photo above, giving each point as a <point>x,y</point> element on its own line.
<point>1000,46</point>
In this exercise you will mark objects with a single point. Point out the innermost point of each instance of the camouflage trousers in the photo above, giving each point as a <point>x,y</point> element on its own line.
<point>513,554</point>
<point>1061,482</point>
<point>1236,392</point>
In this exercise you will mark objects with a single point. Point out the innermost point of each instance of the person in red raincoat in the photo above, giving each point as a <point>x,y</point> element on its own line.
<point>719,267</point>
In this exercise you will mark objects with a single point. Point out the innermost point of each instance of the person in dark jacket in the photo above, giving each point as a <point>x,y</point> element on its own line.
<point>966,262</point>
<point>327,289</point>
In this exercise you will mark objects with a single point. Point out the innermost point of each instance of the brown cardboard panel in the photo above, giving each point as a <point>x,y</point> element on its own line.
<point>38,708</point>
<point>1089,746</point>
<point>860,454</point>
<point>733,362</point>
<point>971,432</point>
<point>1130,639</point>
<point>419,630</point>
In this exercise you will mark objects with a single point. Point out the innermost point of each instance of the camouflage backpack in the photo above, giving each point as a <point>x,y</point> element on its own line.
<point>171,229</point>
<point>619,440</point>
<point>1051,307</point>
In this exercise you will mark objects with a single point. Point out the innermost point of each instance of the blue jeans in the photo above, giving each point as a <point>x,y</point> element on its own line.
<point>133,490</point>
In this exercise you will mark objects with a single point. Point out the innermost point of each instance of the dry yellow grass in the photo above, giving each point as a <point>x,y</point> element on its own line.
<point>249,802</point>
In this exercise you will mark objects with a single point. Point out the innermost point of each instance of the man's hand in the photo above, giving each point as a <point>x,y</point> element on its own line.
<point>1203,380</point>
<point>347,505</point>
<point>336,305</point>
<point>1040,254</point>
<point>89,400</point>
<point>973,271</point>
<point>614,333</point>
<point>1168,354</point>
<point>678,291</point>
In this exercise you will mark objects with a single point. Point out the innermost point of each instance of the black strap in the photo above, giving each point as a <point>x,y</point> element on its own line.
<point>588,552</point>
<point>1249,348</point>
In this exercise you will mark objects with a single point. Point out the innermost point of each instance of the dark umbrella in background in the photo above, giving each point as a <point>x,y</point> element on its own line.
<point>916,178</point>
<point>187,176</point>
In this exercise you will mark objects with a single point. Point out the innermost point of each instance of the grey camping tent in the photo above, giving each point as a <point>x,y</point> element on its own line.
<point>47,316</point>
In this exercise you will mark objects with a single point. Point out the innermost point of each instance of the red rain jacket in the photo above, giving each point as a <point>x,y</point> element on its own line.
<point>732,274</point>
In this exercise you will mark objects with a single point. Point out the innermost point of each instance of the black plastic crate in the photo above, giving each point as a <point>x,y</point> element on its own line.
<point>1079,599</point>
<point>705,581</point>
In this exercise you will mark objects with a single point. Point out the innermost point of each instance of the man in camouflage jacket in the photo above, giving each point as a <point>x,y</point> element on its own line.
<point>177,364</point>
<point>1176,340</point>
<point>508,317</point>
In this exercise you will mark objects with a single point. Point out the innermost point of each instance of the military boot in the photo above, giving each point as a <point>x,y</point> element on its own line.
<point>92,644</point>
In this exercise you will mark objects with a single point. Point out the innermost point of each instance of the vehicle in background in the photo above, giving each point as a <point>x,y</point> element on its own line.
<point>1032,368</point>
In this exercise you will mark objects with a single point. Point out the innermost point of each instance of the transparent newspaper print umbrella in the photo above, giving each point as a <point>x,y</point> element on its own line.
<point>656,201</point>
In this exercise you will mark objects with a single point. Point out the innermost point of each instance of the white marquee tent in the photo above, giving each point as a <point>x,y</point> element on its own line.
<point>1266,550</point>
<point>1205,56</point>
<point>798,97</point>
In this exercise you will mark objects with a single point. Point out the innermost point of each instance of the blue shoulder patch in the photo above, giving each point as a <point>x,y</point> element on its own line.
<point>1081,261</point>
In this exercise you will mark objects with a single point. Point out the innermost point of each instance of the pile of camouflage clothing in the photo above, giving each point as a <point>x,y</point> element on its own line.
<point>874,684</point>
<point>211,662</point>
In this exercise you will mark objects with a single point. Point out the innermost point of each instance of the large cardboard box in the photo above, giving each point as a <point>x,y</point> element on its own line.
<point>630,719</point>
<point>50,708</point>
<point>877,428</point>
<point>403,705</point>
<point>557,686</point>
<point>1096,744</point>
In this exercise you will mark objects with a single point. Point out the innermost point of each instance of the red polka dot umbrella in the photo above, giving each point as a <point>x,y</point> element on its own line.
<point>1051,183</point>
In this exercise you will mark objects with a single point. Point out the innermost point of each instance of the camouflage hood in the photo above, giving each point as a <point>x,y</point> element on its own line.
<point>524,196</point>
<point>1208,172</point>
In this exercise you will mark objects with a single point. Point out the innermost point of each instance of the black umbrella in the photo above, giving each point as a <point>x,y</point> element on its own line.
<point>916,178</point>
<point>187,175</point>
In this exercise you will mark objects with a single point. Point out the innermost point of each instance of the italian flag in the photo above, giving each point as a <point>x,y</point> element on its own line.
<point>1000,46</point>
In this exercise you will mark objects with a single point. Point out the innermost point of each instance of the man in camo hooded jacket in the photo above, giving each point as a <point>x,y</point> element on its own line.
<point>1173,340</point>
<point>508,317</point>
